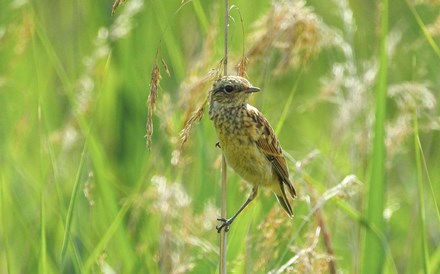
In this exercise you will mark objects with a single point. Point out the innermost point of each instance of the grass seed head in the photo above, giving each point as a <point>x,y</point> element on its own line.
<point>152,100</point>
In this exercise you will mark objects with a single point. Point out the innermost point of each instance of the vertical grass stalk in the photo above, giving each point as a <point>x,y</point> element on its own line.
<point>43,256</point>
<point>3,221</point>
<point>373,256</point>
<point>223,215</point>
<point>222,266</point>
<point>423,241</point>
<point>72,203</point>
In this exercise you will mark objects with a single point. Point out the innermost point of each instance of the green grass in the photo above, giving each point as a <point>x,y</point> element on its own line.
<point>80,192</point>
<point>374,252</point>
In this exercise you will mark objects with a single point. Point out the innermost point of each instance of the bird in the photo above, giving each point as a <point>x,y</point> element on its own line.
<point>248,142</point>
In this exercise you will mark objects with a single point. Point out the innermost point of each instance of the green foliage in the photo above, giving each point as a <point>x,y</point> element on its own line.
<point>81,193</point>
<point>374,251</point>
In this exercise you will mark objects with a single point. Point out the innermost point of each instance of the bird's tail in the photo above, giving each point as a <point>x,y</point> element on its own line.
<point>283,201</point>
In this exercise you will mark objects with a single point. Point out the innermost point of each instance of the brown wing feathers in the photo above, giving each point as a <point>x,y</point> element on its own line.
<point>269,145</point>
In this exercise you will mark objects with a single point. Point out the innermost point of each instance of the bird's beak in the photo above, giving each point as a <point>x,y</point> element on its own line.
<point>252,89</point>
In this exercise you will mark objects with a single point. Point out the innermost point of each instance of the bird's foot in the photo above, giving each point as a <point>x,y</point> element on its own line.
<point>225,224</point>
<point>218,145</point>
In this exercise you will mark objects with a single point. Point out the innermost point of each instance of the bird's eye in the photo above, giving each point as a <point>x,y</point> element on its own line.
<point>229,89</point>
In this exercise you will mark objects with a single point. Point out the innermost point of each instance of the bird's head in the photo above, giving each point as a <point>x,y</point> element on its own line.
<point>230,91</point>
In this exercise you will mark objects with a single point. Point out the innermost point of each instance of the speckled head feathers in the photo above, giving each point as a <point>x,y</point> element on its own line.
<point>233,84</point>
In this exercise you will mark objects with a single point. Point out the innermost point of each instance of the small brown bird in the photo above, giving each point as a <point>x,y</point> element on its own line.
<point>248,142</point>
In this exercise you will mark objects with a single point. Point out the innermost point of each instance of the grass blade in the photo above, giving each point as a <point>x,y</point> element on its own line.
<point>422,26</point>
<point>287,106</point>
<point>373,256</point>
<point>3,206</point>
<point>43,258</point>
<point>107,236</point>
<point>423,240</point>
<point>72,205</point>
<point>425,167</point>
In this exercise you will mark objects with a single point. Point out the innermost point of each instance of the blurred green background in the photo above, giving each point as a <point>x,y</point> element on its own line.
<point>81,193</point>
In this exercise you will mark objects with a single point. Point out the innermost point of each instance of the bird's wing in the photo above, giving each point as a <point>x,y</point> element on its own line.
<point>268,144</point>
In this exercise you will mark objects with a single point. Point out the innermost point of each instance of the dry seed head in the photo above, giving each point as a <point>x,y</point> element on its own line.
<point>123,24</point>
<point>410,96</point>
<point>290,27</point>
<point>307,259</point>
<point>192,121</point>
<point>242,66</point>
<point>193,88</point>
<point>152,100</point>
<point>169,197</point>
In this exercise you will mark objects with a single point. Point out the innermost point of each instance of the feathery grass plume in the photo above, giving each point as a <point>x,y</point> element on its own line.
<point>182,232</point>
<point>291,28</point>
<point>193,88</point>
<point>307,259</point>
<point>265,244</point>
<point>244,60</point>
<point>242,66</point>
<point>116,4</point>
<point>349,86</point>
<point>192,121</point>
<point>409,97</point>
<point>170,201</point>
<point>152,99</point>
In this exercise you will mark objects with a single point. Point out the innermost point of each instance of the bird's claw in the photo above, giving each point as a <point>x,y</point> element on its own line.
<point>218,145</point>
<point>225,224</point>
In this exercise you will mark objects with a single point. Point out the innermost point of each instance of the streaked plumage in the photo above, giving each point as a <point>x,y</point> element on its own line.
<point>247,139</point>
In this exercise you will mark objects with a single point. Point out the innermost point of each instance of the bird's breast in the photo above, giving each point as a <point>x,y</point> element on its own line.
<point>243,155</point>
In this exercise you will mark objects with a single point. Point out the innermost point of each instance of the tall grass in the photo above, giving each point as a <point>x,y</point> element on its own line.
<point>374,252</point>
<point>421,195</point>
<point>72,74</point>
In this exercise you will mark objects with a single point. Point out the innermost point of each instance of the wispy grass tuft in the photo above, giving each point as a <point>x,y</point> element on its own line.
<point>293,29</point>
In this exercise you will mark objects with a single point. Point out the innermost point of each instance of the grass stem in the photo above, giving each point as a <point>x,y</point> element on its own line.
<point>224,172</point>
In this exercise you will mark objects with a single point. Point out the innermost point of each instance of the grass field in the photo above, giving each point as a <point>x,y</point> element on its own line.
<point>351,88</point>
